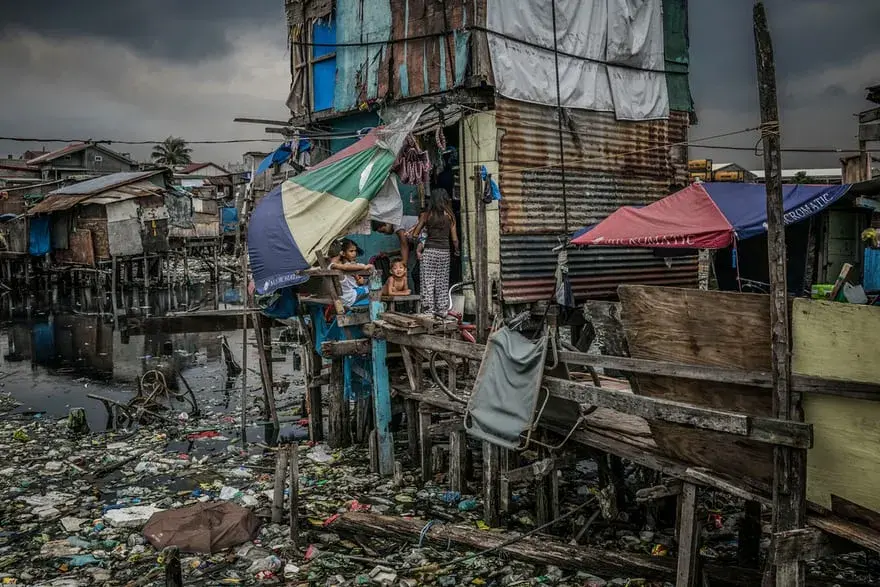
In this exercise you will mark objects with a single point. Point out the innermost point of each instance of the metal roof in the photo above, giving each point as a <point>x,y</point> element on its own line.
<point>104,183</point>
<point>66,150</point>
<point>56,202</point>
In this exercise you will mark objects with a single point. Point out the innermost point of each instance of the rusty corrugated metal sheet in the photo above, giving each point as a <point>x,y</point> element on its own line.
<point>528,267</point>
<point>608,164</point>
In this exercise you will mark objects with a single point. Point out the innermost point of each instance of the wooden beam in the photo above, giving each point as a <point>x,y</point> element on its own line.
<point>799,383</point>
<point>869,132</point>
<point>261,121</point>
<point>760,429</point>
<point>869,115</point>
<point>800,545</point>
<point>537,550</point>
<point>802,384</point>
<point>444,427</point>
<point>345,348</point>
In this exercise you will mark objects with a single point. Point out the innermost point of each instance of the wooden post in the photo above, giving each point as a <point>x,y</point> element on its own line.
<point>338,436</point>
<point>185,263</point>
<point>146,272</point>
<point>217,246</point>
<point>412,428</point>
<point>280,481</point>
<point>749,538</point>
<point>457,460</point>
<point>113,282</point>
<point>294,493</point>
<point>266,376</point>
<point>789,474</point>
<point>479,259</point>
<point>688,574</point>
<point>425,442</point>
<point>381,386</point>
<point>244,349</point>
<point>173,570</point>
<point>316,409</point>
<point>491,486</point>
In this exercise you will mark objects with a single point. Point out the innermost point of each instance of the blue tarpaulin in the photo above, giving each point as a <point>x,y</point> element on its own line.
<point>229,219</point>
<point>38,236</point>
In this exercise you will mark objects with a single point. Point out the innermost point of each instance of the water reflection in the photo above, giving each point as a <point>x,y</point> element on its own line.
<point>57,349</point>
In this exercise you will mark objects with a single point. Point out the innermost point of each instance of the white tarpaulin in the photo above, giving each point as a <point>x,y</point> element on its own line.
<point>625,32</point>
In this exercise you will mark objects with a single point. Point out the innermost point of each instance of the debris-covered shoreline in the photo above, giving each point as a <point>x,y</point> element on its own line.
<point>75,507</point>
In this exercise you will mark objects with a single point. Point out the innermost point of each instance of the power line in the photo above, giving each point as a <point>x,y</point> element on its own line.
<point>316,135</point>
<point>488,31</point>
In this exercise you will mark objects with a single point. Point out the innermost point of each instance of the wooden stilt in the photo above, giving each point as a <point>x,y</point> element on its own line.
<point>412,428</point>
<point>425,442</point>
<point>688,573</point>
<point>280,481</point>
<point>185,263</point>
<point>491,474</point>
<point>338,430</point>
<point>457,460</point>
<point>749,539</point>
<point>294,493</point>
<point>316,409</point>
<point>265,374</point>
<point>381,386</point>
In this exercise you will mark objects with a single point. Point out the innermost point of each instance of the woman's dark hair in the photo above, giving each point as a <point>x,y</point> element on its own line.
<point>439,205</point>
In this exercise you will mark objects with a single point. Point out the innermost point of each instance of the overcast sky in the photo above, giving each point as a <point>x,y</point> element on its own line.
<point>141,70</point>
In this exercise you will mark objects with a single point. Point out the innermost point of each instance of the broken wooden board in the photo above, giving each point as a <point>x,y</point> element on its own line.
<point>716,329</point>
<point>840,341</point>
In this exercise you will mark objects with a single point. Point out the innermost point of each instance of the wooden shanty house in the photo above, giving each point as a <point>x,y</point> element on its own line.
<point>119,215</point>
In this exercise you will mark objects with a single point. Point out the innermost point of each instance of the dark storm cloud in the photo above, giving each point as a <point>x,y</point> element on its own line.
<point>826,53</point>
<point>187,30</point>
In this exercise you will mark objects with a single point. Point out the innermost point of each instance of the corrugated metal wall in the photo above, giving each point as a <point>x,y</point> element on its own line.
<point>608,164</point>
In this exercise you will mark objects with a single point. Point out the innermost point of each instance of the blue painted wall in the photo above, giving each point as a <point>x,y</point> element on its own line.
<point>324,72</point>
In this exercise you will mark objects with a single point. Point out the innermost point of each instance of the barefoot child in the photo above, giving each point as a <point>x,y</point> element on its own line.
<point>344,258</point>
<point>397,284</point>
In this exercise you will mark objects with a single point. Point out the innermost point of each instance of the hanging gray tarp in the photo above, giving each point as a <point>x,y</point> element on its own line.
<point>502,404</point>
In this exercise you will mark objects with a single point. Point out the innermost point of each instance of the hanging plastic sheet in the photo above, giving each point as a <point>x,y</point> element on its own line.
<point>493,189</point>
<point>589,33</point>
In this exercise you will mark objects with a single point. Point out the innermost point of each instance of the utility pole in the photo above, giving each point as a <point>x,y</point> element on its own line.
<point>789,465</point>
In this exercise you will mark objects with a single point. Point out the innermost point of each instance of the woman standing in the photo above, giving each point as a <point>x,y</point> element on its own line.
<point>438,222</point>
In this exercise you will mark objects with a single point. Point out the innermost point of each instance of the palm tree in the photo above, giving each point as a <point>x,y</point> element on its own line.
<point>172,151</point>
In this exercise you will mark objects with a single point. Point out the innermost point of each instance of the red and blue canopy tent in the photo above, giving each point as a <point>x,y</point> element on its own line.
<point>705,216</point>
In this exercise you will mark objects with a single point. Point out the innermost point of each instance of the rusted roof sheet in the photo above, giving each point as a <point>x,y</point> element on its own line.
<point>528,267</point>
<point>57,201</point>
<point>66,150</point>
<point>107,182</point>
<point>608,164</point>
